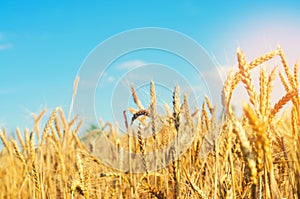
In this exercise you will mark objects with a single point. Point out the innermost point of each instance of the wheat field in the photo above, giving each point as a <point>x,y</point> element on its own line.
<point>255,155</point>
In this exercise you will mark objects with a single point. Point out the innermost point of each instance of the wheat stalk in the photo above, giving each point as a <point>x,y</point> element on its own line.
<point>142,148</point>
<point>247,154</point>
<point>194,187</point>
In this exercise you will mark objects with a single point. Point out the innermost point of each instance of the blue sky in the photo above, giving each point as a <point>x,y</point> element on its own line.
<point>44,43</point>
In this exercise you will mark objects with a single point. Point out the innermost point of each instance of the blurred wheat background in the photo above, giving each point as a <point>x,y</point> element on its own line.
<point>255,155</point>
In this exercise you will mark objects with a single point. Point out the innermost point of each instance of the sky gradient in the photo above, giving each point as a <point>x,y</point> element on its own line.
<point>44,43</point>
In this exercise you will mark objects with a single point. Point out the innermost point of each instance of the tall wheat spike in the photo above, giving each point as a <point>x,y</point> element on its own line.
<point>247,80</point>
<point>286,67</point>
<point>296,75</point>
<point>142,148</point>
<point>153,108</point>
<point>263,92</point>
<point>37,120</point>
<point>21,138</point>
<point>177,119</point>
<point>136,99</point>
<point>269,90</point>
<point>284,100</point>
<point>18,152</point>
<point>48,124</point>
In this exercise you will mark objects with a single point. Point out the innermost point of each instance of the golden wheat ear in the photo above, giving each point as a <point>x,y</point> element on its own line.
<point>153,109</point>
<point>37,120</point>
<point>136,99</point>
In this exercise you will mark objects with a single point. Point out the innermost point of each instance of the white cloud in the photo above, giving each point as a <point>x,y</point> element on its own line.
<point>111,79</point>
<point>5,46</point>
<point>106,77</point>
<point>2,123</point>
<point>131,64</point>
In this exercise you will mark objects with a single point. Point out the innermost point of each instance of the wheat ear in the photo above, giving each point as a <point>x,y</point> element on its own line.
<point>37,119</point>
<point>153,109</point>
<point>269,90</point>
<point>263,91</point>
<point>153,191</point>
<point>18,152</point>
<point>47,126</point>
<point>246,79</point>
<point>136,99</point>
<point>21,139</point>
<point>176,118</point>
<point>284,100</point>
<point>142,148</point>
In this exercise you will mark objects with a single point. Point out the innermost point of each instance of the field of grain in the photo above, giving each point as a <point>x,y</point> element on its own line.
<point>255,155</point>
